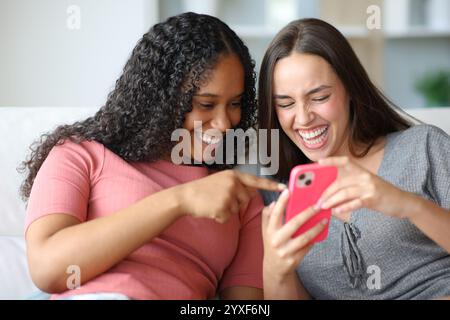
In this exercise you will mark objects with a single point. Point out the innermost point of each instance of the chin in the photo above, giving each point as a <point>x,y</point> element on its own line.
<point>315,156</point>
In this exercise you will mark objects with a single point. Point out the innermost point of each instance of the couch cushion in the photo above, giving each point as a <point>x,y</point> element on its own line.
<point>15,281</point>
<point>439,117</point>
<point>19,127</point>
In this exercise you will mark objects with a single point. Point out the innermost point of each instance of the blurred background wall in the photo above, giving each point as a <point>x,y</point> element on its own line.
<point>49,57</point>
<point>70,52</point>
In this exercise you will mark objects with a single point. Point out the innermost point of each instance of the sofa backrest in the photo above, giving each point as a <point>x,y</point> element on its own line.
<point>439,117</point>
<point>19,127</point>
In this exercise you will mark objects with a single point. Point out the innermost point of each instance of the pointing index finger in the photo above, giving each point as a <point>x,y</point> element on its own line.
<point>260,183</point>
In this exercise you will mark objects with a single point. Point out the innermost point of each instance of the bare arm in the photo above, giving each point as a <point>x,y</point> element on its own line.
<point>242,293</point>
<point>430,218</point>
<point>288,287</point>
<point>57,241</point>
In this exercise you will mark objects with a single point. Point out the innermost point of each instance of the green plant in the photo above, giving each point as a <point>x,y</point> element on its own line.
<point>435,87</point>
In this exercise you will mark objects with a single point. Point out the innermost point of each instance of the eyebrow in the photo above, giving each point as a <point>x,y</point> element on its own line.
<point>310,92</point>
<point>318,89</point>
<point>212,95</point>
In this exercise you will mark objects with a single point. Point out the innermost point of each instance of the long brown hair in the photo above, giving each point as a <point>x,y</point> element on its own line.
<point>372,115</point>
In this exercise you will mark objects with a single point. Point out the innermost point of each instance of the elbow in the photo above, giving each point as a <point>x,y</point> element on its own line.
<point>48,279</point>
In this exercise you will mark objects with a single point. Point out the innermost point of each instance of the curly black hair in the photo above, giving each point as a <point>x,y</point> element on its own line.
<point>152,96</point>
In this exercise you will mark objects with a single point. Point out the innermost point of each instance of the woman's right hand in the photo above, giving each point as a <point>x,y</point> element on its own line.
<point>282,253</point>
<point>222,194</point>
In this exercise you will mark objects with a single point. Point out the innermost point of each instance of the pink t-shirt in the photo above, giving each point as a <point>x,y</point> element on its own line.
<point>191,259</point>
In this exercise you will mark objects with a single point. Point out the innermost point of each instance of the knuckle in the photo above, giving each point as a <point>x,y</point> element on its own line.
<point>231,172</point>
<point>298,222</point>
<point>309,236</point>
<point>274,243</point>
<point>232,183</point>
<point>221,206</point>
<point>302,241</point>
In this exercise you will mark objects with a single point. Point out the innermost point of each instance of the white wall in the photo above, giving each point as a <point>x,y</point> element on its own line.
<point>407,60</point>
<point>44,63</point>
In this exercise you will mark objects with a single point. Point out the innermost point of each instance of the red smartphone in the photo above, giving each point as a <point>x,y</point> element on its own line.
<point>306,185</point>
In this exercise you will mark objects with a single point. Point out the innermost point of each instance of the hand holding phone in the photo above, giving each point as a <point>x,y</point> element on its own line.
<point>306,185</point>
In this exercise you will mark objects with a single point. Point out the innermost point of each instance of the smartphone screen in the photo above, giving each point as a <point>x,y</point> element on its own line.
<point>306,185</point>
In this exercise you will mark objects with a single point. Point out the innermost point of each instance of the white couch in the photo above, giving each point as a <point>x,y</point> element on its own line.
<point>19,126</point>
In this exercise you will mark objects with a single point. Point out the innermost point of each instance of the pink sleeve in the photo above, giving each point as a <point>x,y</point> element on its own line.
<point>246,267</point>
<point>63,182</point>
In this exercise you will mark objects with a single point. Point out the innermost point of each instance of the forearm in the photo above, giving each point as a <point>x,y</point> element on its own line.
<point>288,287</point>
<point>430,218</point>
<point>97,245</point>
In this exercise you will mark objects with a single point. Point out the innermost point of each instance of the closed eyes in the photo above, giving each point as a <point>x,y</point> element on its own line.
<point>321,99</point>
<point>287,105</point>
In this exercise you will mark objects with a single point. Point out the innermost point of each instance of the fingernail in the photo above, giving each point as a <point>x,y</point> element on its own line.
<point>285,192</point>
<point>324,221</point>
<point>271,205</point>
<point>282,186</point>
<point>316,207</point>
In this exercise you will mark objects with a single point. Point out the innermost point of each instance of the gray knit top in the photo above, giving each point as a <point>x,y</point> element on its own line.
<point>375,256</point>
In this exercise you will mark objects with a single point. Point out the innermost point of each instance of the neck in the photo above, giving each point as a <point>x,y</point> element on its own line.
<point>371,161</point>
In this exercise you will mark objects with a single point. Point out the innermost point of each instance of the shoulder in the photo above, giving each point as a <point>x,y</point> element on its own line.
<point>87,150</point>
<point>418,150</point>
<point>84,147</point>
<point>422,131</point>
<point>87,156</point>
<point>419,136</point>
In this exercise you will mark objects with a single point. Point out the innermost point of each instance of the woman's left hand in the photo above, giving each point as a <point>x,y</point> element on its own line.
<point>357,188</point>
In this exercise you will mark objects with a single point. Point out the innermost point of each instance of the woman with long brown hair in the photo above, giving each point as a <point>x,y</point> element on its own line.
<point>389,233</point>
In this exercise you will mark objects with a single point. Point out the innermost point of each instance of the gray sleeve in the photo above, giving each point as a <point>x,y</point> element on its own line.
<point>268,196</point>
<point>438,182</point>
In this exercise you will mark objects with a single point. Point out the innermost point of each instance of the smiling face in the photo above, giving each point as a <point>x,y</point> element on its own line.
<point>312,105</point>
<point>216,107</point>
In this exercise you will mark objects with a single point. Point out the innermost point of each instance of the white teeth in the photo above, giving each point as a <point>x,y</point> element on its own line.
<point>312,135</point>
<point>208,139</point>
<point>315,137</point>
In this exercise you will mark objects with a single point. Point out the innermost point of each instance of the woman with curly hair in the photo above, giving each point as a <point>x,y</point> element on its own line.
<point>388,237</point>
<point>105,202</point>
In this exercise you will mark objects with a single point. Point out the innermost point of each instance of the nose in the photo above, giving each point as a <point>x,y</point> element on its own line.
<point>221,120</point>
<point>303,114</point>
